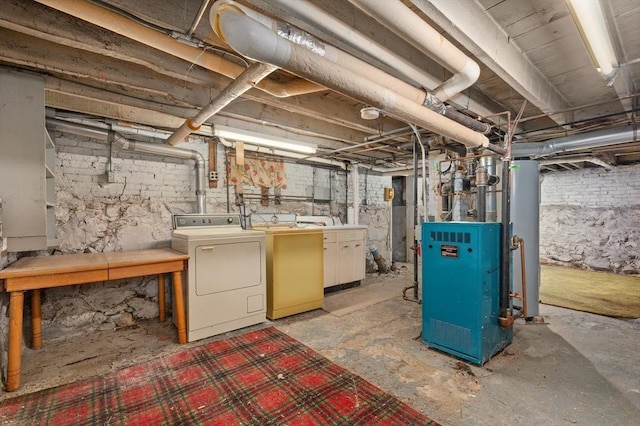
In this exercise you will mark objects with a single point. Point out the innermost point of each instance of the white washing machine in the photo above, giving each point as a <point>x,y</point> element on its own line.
<point>226,277</point>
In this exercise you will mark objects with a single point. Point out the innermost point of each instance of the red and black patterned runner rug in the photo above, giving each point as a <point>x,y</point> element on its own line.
<point>261,378</point>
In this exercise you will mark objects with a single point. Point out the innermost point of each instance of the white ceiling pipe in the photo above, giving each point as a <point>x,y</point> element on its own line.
<point>253,40</point>
<point>346,60</point>
<point>245,81</point>
<point>329,24</point>
<point>578,142</point>
<point>112,21</point>
<point>141,147</point>
<point>332,53</point>
<point>394,15</point>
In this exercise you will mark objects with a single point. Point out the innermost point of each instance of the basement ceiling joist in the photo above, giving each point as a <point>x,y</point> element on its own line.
<point>526,51</point>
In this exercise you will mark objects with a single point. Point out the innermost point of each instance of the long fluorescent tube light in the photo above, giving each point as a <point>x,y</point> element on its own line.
<point>259,139</point>
<point>590,19</point>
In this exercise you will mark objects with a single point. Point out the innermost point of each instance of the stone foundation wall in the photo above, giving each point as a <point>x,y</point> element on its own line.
<point>590,218</point>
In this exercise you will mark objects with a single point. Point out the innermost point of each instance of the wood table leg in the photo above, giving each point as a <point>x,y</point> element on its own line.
<point>161,299</point>
<point>179,304</point>
<point>16,302</point>
<point>36,320</point>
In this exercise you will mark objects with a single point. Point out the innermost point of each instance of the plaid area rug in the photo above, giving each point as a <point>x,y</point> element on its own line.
<point>263,377</point>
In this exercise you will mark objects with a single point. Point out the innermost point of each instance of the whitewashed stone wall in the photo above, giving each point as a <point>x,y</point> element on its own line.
<point>590,218</point>
<point>134,212</point>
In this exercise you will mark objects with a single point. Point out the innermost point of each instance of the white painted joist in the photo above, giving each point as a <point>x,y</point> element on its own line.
<point>469,24</point>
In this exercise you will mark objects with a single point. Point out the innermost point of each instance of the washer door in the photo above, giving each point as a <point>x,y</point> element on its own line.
<point>223,267</point>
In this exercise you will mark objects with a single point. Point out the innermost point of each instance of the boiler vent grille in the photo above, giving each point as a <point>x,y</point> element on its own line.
<point>451,237</point>
<point>453,335</point>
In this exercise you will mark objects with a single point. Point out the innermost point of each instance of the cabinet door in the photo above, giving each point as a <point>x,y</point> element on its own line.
<point>330,264</point>
<point>346,259</point>
<point>358,263</point>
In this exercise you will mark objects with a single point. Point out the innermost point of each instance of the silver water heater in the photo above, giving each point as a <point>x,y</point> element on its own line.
<point>525,217</point>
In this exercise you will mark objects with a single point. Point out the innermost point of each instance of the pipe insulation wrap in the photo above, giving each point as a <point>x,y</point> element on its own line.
<point>329,24</point>
<point>459,82</point>
<point>240,85</point>
<point>410,27</point>
<point>339,57</point>
<point>255,41</point>
<point>251,39</point>
<point>301,38</point>
<point>414,74</point>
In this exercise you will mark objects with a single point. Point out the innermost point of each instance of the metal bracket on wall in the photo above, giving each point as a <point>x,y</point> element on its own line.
<point>213,170</point>
<point>111,175</point>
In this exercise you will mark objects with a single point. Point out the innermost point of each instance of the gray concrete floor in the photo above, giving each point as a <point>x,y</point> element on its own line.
<point>575,368</point>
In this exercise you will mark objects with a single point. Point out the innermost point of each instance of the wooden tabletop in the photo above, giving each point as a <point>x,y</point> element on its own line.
<point>143,257</point>
<point>30,266</point>
<point>53,271</point>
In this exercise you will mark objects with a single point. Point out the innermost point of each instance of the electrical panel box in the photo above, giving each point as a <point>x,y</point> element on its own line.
<point>461,289</point>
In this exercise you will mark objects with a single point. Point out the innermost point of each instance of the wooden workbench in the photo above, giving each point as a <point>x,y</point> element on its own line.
<point>36,273</point>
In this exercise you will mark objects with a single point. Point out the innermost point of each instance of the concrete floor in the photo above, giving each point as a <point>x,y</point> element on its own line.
<point>576,368</point>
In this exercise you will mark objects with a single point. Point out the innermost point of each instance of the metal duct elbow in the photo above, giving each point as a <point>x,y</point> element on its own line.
<point>255,42</point>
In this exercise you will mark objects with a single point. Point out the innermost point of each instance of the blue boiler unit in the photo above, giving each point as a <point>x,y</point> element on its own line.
<point>461,289</point>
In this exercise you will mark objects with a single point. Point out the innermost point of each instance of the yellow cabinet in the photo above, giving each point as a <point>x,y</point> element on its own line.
<point>295,270</point>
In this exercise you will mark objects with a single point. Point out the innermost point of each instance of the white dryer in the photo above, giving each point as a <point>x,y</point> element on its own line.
<point>226,279</point>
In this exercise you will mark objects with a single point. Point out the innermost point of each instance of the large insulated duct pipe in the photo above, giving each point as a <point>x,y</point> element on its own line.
<point>240,85</point>
<point>119,24</point>
<point>141,147</point>
<point>342,58</point>
<point>253,40</point>
<point>329,24</point>
<point>578,142</point>
<point>394,15</point>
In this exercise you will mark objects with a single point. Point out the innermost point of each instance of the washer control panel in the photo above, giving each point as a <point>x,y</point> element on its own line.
<point>181,221</point>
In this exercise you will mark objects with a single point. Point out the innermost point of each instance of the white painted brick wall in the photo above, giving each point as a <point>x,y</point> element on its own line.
<point>593,187</point>
<point>83,163</point>
<point>372,188</point>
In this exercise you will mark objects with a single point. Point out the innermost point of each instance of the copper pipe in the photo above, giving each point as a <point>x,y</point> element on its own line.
<point>520,243</point>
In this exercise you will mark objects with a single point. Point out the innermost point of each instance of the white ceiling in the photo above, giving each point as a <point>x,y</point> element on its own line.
<point>527,50</point>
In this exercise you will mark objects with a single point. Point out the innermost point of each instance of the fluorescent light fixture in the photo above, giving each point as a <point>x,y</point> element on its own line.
<point>590,19</point>
<point>259,139</point>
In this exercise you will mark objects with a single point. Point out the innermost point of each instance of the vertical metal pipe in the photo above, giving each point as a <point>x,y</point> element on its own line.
<point>415,214</point>
<point>505,267</point>
<point>481,205</point>
<point>489,163</point>
<point>481,202</point>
